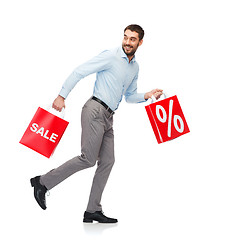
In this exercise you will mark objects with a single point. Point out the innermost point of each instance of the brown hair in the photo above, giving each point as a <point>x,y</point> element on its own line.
<point>136,28</point>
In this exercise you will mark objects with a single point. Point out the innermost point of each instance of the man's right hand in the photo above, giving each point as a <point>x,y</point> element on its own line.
<point>59,103</point>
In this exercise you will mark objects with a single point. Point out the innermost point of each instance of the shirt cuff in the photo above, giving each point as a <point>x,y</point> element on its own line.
<point>64,93</point>
<point>141,97</point>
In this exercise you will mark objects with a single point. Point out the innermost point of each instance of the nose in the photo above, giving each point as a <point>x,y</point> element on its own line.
<point>128,41</point>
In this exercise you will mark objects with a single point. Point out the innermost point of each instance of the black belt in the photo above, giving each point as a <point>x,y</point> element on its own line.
<point>104,104</point>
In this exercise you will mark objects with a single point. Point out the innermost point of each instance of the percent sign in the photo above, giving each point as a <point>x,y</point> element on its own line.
<point>176,118</point>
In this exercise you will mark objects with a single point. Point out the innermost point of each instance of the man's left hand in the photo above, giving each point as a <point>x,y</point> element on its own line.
<point>156,92</point>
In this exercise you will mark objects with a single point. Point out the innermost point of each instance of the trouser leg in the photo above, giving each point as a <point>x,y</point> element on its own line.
<point>105,164</point>
<point>91,140</point>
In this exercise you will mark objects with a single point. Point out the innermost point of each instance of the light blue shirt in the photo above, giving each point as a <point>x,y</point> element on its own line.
<point>115,77</point>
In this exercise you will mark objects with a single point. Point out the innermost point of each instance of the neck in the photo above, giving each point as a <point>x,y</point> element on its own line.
<point>130,58</point>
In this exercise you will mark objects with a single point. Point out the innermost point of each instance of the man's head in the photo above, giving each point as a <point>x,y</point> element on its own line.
<point>133,38</point>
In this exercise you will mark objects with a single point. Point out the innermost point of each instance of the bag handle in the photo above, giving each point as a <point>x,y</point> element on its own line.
<point>50,109</point>
<point>153,99</point>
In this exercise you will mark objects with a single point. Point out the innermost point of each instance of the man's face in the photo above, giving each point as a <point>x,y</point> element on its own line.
<point>130,42</point>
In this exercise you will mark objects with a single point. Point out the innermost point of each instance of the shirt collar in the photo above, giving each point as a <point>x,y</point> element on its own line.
<point>123,55</point>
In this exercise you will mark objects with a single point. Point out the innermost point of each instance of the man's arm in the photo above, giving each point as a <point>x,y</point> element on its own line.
<point>132,96</point>
<point>99,63</point>
<point>96,64</point>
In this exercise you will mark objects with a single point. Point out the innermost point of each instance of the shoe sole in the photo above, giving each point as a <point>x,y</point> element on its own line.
<point>86,220</point>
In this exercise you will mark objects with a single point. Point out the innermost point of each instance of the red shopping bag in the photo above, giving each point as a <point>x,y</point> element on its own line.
<point>44,132</point>
<point>167,119</point>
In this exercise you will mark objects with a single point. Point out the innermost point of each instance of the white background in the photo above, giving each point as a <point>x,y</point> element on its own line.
<point>176,190</point>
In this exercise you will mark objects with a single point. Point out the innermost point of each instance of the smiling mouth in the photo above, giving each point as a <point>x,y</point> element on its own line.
<point>128,47</point>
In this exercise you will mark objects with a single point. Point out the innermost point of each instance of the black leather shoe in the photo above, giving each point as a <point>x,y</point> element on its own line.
<point>97,216</point>
<point>39,191</point>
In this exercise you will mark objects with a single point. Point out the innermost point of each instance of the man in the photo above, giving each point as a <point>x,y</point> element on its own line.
<point>116,75</point>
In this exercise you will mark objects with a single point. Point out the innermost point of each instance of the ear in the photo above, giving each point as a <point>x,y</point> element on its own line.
<point>140,42</point>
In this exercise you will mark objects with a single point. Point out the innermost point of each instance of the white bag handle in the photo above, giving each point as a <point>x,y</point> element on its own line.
<point>55,112</point>
<point>153,99</point>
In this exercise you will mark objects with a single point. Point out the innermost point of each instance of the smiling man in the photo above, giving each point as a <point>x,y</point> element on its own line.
<point>116,76</point>
<point>132,40</point>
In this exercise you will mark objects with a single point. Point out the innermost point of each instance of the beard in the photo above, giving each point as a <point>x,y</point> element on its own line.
<point>131,50</point>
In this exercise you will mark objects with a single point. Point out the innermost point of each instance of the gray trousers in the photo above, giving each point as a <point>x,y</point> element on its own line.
<point>97,145</point>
